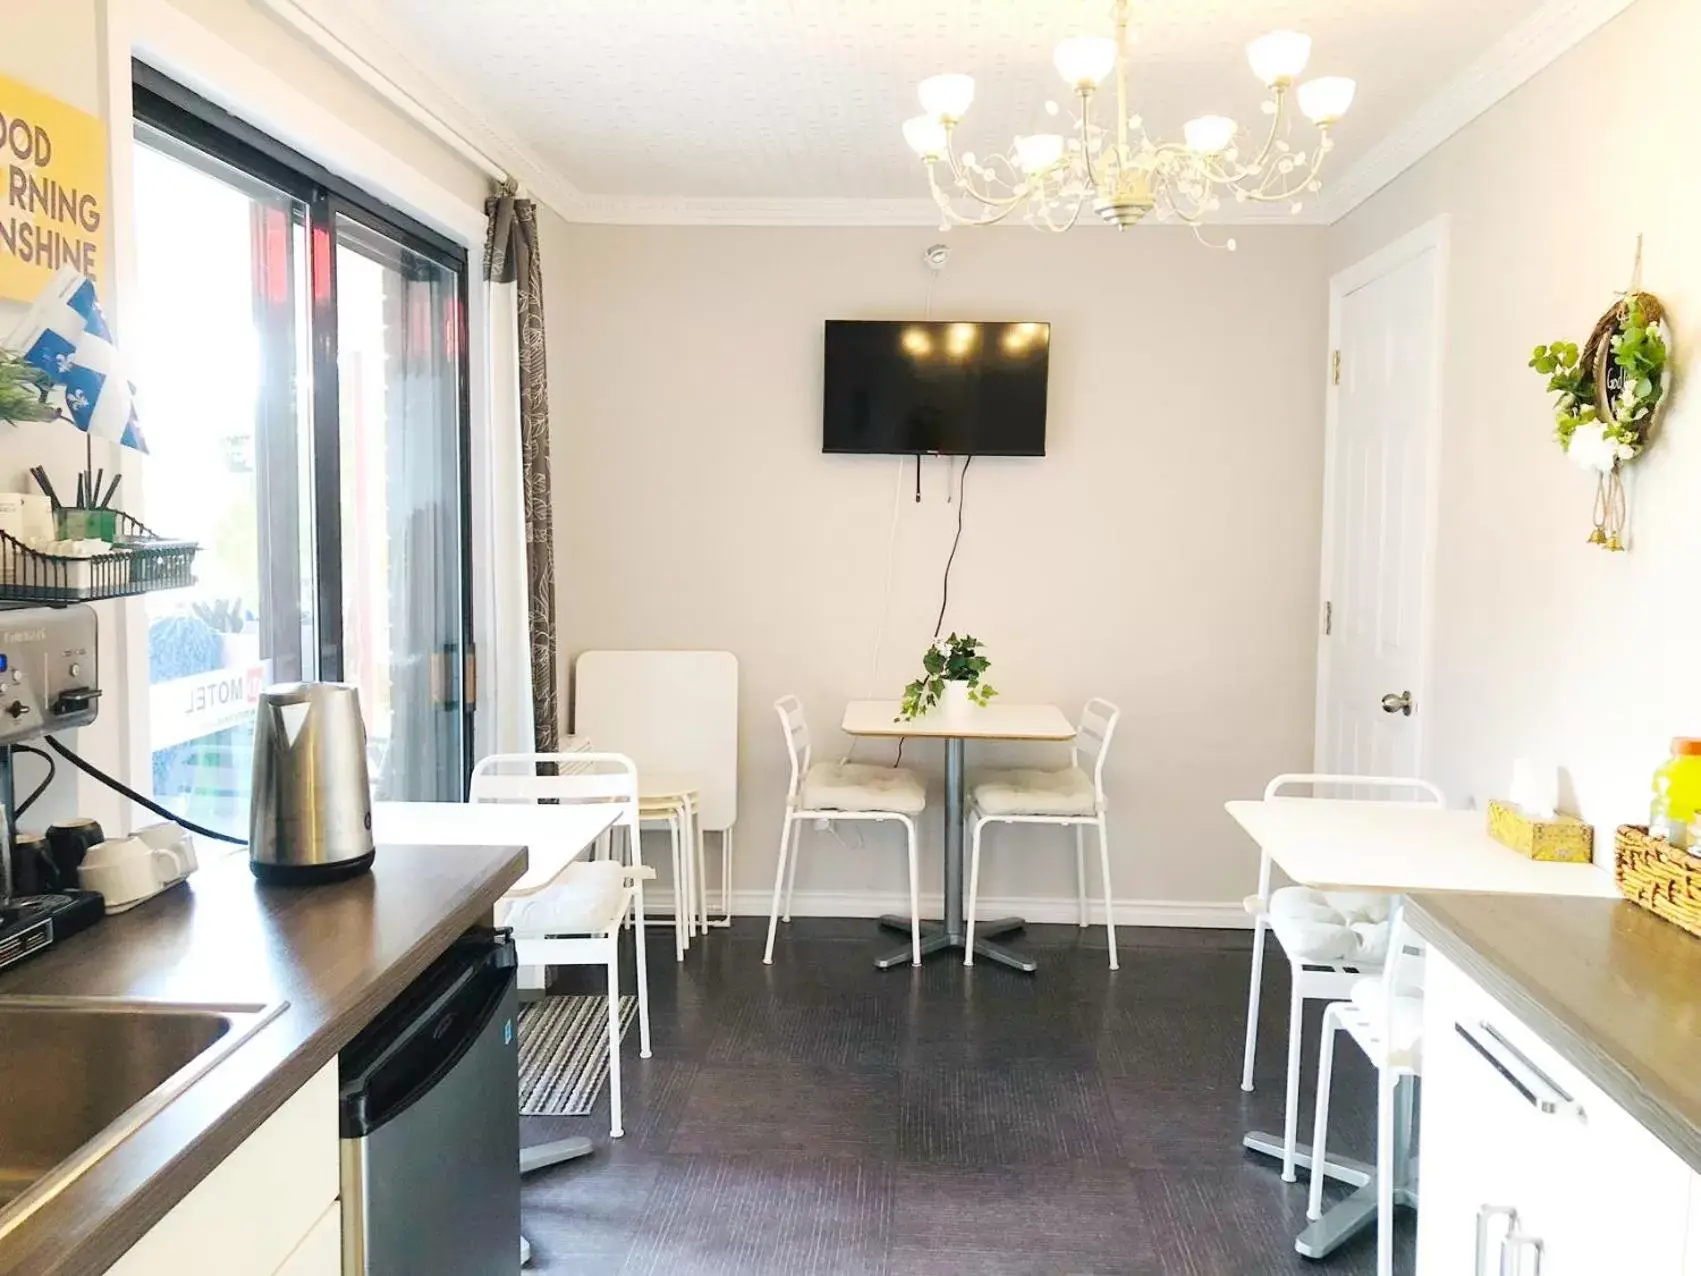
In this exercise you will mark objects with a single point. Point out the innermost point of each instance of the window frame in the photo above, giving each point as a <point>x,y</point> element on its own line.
<point>165,109</point>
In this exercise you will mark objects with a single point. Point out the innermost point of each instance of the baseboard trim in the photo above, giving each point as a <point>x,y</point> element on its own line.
<point>1205,914</point>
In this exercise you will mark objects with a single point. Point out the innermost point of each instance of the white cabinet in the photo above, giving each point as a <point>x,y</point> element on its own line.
<point>1522,1155</point>
<point>321,1252</point>
<point>268,1209</point>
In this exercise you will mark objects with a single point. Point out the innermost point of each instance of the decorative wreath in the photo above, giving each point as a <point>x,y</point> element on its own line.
<point>1610,394</point>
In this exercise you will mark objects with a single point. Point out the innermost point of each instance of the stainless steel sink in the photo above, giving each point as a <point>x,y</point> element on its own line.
<point>78,1075</point>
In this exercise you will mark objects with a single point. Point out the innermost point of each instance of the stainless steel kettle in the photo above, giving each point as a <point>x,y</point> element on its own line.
<point>311,818</point>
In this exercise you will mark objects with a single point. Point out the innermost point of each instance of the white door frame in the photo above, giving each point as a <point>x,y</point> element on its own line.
<point>1432,236</point>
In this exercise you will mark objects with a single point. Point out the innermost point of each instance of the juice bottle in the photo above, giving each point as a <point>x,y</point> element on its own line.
<point>1677,792</point>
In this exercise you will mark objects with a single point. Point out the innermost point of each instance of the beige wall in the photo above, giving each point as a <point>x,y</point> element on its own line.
<point>1164,554</point>
<point>1546,646</point>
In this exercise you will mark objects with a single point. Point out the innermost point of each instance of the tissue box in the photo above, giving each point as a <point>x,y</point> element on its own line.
<point>1564,838</point>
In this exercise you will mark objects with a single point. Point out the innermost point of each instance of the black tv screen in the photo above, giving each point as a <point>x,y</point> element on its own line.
<point>954,388</point>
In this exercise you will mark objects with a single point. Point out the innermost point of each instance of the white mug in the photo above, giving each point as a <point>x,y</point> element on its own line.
<point>128,870</point>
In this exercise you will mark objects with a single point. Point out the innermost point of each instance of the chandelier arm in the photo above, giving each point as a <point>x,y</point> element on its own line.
<point>1121,78</point>
<point>1051,225</point>
<point>964,184</point>
<point>943,200</point>
<point>1087,140</point>
<point>1173,205</point>
<point>1292,190</point>
<point>1278,118</point>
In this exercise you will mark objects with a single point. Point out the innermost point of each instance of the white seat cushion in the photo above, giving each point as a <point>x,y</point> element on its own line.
<point>1331,927</point>
<point>856,786</point>
<point>585,900</point>
<point>1067,792</point>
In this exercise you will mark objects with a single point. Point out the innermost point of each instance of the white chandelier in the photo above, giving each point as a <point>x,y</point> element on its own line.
<point>1120,171</point>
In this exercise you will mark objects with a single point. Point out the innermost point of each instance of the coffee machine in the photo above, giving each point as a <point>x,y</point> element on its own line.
<point>49,681</point>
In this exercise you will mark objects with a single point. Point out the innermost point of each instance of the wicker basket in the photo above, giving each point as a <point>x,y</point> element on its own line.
<point>1660,877</point>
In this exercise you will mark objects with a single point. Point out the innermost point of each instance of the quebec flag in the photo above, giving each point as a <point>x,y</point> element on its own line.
<point>65,335</point>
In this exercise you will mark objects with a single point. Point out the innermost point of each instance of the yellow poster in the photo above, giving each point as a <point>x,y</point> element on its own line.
<point>53,158</point>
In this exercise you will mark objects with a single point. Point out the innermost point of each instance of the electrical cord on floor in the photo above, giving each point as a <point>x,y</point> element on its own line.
<point>52,770</point>
<point>117,786</point>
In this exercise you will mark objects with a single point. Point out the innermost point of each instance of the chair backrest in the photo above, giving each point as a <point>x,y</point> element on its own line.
<point>1427,794</point>
<point>674,712</point>
<point>581,776</point>
<point>1403,969</point>
<point>1092,739</point>
<point>796,729</point>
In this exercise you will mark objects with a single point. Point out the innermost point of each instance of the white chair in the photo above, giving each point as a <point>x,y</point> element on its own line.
<point>1073,798</point>
<point>835,791</point>
<point>1385,1017</point>
<point>1325,961</point>
<point>577,921</point>
<point>674,814</point>
<point>676,802</point>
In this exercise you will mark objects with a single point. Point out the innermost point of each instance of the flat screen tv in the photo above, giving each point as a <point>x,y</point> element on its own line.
<point>954,389</point>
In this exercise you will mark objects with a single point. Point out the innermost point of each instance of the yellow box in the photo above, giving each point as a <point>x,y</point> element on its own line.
<point>1564,838</point>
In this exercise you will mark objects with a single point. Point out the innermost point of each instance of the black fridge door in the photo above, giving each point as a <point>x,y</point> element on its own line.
<point>424,1034</point>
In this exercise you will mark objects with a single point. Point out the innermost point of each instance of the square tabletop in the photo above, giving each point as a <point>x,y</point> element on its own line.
<point>1397,848</point>
<point>554,836</point>
<point>995,721</point>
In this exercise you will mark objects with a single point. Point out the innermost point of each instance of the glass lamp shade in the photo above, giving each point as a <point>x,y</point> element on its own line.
<point>1209,134</point>
<point>947,97</point>
<point>1326,99</point>
<point>1084,60</point>
<point>1279,57</point>
<point>1039,151</point>
<point>926,136</point>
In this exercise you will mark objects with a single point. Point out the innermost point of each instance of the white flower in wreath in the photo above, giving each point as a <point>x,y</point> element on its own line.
<point>1593,449</point>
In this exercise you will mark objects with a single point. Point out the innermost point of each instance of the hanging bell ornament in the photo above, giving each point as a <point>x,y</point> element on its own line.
<point>1614,545</point>
<point>1598,536</point>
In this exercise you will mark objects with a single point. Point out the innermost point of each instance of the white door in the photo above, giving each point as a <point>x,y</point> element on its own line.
<point>1384,404</point>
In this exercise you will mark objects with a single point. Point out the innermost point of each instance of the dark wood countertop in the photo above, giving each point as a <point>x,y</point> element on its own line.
<point>1611,987</point>
<point>338,954</point>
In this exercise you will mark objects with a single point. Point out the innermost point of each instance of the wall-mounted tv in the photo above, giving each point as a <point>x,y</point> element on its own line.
<point>956,388</point>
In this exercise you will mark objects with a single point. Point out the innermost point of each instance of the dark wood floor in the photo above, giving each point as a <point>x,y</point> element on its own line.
<point>819,1116</point>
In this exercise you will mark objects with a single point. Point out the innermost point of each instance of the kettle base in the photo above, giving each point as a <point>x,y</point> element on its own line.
<point>311,874</point>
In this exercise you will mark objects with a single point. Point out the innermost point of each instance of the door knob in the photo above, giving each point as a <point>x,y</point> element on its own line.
<point>1401,703</point>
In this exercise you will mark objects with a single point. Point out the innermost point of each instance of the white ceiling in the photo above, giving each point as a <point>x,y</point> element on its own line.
<point>788,99</point>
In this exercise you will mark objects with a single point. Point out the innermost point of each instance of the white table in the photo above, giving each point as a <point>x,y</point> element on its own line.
<point>996,721</point>
<point>554,837</point>
<point>1396,849</point>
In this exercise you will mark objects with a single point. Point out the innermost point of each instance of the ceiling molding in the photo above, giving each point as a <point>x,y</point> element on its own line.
<point>1531,47</point>
<point>639,210</point>
<point>392,55</point>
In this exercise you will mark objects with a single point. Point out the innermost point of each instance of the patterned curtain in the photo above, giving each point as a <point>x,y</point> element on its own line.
<point>511,257</point>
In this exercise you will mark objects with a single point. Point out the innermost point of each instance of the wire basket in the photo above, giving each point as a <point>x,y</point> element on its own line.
<point>140,565</point>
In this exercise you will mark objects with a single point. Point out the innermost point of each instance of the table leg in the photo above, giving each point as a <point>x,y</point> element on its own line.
<point>950,936</point>
<point>954,925</point>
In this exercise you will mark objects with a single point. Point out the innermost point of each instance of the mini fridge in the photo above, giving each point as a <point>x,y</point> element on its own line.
<point>429,1114</point>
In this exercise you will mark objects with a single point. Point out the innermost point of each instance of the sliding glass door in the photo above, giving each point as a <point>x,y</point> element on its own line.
<point>400,406</point>
<point>300,353</point>
<point>218,351</point>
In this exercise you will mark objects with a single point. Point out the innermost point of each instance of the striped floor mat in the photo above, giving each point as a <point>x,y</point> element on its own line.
<point>564,1053</point>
